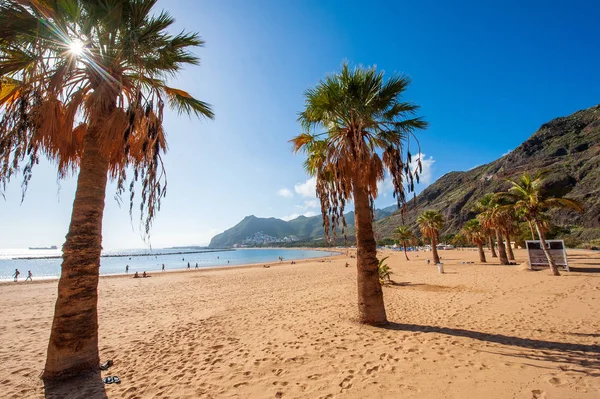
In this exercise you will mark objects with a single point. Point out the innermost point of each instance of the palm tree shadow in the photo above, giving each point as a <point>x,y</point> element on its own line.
<point>87,386</point>
<point>585,269</point>
<point>582,355</point>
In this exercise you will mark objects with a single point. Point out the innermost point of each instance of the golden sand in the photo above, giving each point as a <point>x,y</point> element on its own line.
<point>478,331</point>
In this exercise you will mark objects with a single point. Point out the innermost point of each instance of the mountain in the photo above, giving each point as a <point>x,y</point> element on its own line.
<point>568,147</point>
<point>259,231</point>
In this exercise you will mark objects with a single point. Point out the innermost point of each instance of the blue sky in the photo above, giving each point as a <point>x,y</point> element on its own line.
<point>486,76</point>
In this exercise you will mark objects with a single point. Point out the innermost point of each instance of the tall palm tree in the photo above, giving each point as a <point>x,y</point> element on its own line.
<point>474,233</point>
<point>430,223</point>
<point>84,83</point>
<point>404,235</point>
<point>492,220</point>
<point>355,127</point>
<point>530,200</point>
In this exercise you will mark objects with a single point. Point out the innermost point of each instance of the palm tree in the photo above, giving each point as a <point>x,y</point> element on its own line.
<point>404,235</point>
<point>84,83</point>
<point>530,200</point>
<point>430,223</point>
<point>356,127</point>
<point>492,220</point>
<point>474,233</point>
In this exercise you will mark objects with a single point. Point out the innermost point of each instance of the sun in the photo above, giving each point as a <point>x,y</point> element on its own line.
<point>76,47</point>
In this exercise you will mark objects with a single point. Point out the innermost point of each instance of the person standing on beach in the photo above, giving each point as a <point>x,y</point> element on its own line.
<point>29,276</point>
<point>163,268</point>
<point>196,265</point>
<point>16,275</point>
<point>127,269</point>
<point>188,265</point>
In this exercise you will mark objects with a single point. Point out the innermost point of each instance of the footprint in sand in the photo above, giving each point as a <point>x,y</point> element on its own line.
<point>346,382</point>
<point>556,381</point>
<point>538,394</point>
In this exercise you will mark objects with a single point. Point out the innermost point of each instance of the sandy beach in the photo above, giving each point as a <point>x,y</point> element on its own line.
<point>289,331</point>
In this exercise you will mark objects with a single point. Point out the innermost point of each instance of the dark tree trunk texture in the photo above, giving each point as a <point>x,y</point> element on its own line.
<point>491,243</point>
<point>371,309</point>
<point>501,249</point>
<point>509,251</point>
<point>405,254</point>
<point>553,267</point>
<point>481,253</point>
<point>73,345</point>
<point>436,257</point>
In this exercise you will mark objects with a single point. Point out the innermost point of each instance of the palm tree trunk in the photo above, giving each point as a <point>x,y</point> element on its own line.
<point>73,345</point>
<point>491,241</point>
<point>501,249</point>
<point>405,254</point>
<point>553,267</point>
<point>531,229</point>
<point>371,309</point>
<point>481,253</point>
<point>511,255</point>
<point>436,257</point>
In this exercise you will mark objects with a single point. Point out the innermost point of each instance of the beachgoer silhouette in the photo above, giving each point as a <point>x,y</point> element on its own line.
<point>127,269</point>
<point>163,268</point>
<point>188,265</point>
<point>145,275</point>
<point>29,275</point>
<point>196,265</point>
<point>136,275</point>
<point>16,275</point>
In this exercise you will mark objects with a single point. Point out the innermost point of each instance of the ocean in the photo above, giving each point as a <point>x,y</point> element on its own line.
<point>45,263</point>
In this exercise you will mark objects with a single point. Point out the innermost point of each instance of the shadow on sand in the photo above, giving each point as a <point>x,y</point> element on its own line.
<point>582,355</point>
<point>585,269</point>
<point>87,386</point>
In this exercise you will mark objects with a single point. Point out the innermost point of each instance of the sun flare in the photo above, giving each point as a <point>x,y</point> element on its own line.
<point>76,47</point>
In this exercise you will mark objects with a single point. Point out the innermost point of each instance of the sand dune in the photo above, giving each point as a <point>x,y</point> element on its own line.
<point>289,331</point>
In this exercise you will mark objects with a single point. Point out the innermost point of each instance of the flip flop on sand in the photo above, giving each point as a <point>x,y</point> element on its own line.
<point>108,380</point>
<point>116,380</point>
<point>105,366</point>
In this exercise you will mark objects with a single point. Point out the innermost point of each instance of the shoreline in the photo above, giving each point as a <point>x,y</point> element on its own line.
<point>46,279</point>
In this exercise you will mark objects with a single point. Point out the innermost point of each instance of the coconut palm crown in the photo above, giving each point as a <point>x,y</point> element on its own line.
<point>73,68</point>
<point>355,127</point>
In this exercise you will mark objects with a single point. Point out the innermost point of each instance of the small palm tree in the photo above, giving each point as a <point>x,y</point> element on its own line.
<point>492,220</point>
<point>474,233</point>
<point>384,272</point>
<point>84,83</point>
<point>356,127</point>
<point>528,198</point>
<point>430,223</point>
<point>404,236</point>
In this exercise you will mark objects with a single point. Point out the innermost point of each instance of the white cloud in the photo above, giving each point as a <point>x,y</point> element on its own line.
<point>507,152</point>
<point>295,215</point>
<point>386,187</point>
<point>307,189</point>
<point>426,176</point>
<point>285,192</point>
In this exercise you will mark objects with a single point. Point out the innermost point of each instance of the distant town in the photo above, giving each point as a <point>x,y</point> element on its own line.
<point>260,238</point>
